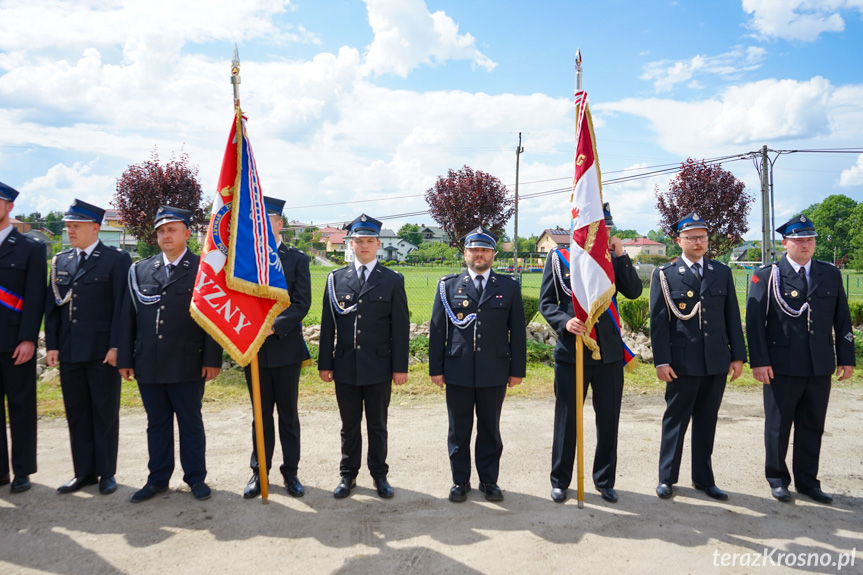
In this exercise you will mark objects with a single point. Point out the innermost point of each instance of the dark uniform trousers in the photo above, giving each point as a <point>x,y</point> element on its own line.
<point>372,344</point>
<point>476,363</point>
<point>280,362</point>
<point>23,276</point>
<point>803,355</point>
<point>83,335</point>
<point>604,376</point>
<point>168,350</point>
<point>700,354</point>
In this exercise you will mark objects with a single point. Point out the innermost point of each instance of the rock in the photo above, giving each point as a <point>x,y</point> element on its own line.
<point>51,376</point>
<point>641,339</point>
<point>646,354</point>
<point>226,365</point>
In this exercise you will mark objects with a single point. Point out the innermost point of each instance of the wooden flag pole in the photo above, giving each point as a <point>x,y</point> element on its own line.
<point>579,416</point>
<point>256,374</point>
<point>579,346</point>
<point>259,430</point>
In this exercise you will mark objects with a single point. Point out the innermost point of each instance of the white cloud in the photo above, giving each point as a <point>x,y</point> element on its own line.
<point>665,74</point>
<point>407,35</point>
<point>55,190</point>
<point>853,176</point>
<point>768,111</point>
<point>798,20</point>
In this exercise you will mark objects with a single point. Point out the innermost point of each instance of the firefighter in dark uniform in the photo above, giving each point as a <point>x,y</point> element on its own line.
<point>605,375</point>
<point>280,361</point>
<point>477,347</point>
<point>364,341</point>
<point>82,328</point>
<point>697,342</point>
<point>23,278</point>
<point>169,354</point>
<point>798,327</point>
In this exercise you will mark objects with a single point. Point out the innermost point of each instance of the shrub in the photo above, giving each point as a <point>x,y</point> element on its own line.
<point>856,308</point>
<point>634,313</point>
<point>654,259</point>
<point>539,352</point>
<point>419,347</point>
<point>313,351</point>
<point>531,307</point>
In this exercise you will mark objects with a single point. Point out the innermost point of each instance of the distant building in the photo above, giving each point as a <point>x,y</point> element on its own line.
<point>434,234</point>
<point>22,227</point>
<point>635,247</point>
<point>549,240</point>
<point>336,242</point>
<point>393,248</point>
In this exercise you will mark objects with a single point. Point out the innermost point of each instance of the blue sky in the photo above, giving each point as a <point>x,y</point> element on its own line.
<point>352,101</point>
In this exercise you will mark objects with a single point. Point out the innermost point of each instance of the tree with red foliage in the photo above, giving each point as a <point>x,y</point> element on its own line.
<point>144,187</point>
<point>466,199</point>
<point>715,195</point>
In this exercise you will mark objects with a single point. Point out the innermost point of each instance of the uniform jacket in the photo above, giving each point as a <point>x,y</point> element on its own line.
<point>23,276</point>
<point>689,347</point>
<point>556,307</point>
<point>161,341</point>
<point>370,344</point>
<point>92,326</point>
<point>286,346</point>
<point>786,343</point>
<point>491,349</point>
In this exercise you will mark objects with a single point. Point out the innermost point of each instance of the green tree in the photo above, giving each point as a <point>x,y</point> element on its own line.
<point>835,226</point>
<point>671,247</point>
<point>624,234</point>
<point>411,233</point>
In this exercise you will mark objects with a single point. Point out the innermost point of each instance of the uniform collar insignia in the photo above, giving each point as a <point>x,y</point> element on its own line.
<point>681,269</point>
<point>157,264</point>
<point>185,263</point>
<point>710,267</point>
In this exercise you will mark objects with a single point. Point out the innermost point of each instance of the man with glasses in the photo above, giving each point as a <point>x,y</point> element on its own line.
<point>799,327</point>
<point>697,342</point>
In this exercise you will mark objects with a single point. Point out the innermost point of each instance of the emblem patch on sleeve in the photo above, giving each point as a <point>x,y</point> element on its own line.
<point>754,279</point>
<point>849,336</point>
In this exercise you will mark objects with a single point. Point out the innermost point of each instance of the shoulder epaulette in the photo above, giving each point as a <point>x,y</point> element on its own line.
<point>665,266</point>
<point>450,276</point>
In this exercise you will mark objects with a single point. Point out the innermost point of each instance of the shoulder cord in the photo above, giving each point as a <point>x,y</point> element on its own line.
<point>669,303</point>
<point>337,308</point>
<point>556,267</point>
<point>774,285</point>
<point>133,287</point>
<point>57,299</point>
<point>459,323</point>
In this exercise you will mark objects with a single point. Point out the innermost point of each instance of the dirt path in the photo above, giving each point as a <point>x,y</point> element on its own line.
<point>419,530</point>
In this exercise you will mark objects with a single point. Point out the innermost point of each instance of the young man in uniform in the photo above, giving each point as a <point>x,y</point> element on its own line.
<point>82,330</point>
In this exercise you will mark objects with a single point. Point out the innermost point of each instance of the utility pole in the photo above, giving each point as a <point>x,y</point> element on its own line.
<point>767,248</point>
<point>518,152</point>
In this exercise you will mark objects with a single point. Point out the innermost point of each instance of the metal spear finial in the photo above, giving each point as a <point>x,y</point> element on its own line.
<point>578,69</point>
<point>235,76</point>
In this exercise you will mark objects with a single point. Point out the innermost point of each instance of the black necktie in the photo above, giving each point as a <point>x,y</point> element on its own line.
<point>169,269</point>
<point>802,273</point>
<point>696,269</point>
<point>362,275</point>
<point>82,257</point>
<point>479,285</point>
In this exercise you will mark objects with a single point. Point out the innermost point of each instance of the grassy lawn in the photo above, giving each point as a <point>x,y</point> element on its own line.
<point>229,389</point>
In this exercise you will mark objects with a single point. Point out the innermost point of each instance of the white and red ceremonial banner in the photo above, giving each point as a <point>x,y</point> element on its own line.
<point>591,272</point>
<point>240,288</point>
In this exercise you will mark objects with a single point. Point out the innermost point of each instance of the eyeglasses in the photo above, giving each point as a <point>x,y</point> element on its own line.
<point>695,239</point>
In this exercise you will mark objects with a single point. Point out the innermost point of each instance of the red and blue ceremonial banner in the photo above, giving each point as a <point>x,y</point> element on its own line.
<point>591,272</point>
<point>240,288</point>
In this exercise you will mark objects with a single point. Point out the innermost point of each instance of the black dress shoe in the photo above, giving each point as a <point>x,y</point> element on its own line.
<point>107,486</point>
<point>344,488</point>
<point>781,494</point>
<point>253,487</point>
<point>4,480</point>
<point>458,492</point>
<point>201,491</point>
<point>77,483</point>
<point>384,489</point>
<point>492,491</point>
<point>608,493</point>
<point>712,491</point>
<point>294,487</point>
<point>147,492</point>
<point>663,490</point>
<point>815,494</point>
<point>558,495</point>
<point>21,483</point>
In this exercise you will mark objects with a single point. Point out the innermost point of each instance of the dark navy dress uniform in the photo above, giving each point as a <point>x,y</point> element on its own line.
<point>82,322</point>
<point>363,348</point>
<point>803,352</point>
<point>477,362</point>
<point>23,280</point>
<point>168,350</point>
<point>700,350</point>
<point>605,375</point>
<point>280,361</point>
